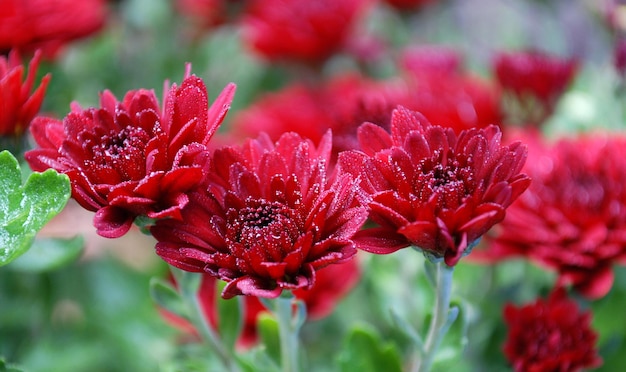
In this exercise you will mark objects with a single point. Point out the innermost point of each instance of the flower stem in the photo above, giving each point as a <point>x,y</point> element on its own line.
<point>199,320</point>
<point>441,319</point>
<point>289,324</point>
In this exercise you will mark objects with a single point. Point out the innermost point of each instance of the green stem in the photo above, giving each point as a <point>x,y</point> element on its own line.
<point>288,328</point>
<point>200,321</point>
<point>440,322</point>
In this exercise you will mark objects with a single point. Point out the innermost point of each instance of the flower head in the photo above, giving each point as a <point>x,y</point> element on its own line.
<point>18,106</point>
<point>304,31</point>
<point>270,217</point>
<point>572,219</point>
<point>431,188</point>
<point>550,335</point>
<point>130,158</point>
<point>535,80</point>
<point>27,25</point>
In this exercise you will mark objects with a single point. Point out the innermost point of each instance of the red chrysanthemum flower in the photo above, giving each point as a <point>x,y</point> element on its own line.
<point>431,188</point>
<point>573,217</point>
<point>130,158</point>
<point>270,217</point>
<point>535,80</point>
<point>18,106</point>
<point>550,335</point>
<point>308,32</point>
<point>27,25</point>
<point>331,284</point>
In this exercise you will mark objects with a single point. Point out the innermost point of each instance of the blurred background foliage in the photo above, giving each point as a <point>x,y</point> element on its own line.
<point>95,314</point>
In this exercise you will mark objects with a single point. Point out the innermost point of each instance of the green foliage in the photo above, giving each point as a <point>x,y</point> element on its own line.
<point>230,314</point>
<point>4,367</point>
<point>364,351</point>
<point>167,297</point>
<point>91,316</point>
<point>25,209</point>
<point>49,254</point>
<point>267,327</point>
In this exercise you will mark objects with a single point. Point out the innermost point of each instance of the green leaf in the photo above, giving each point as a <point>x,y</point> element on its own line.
<point>4,367</point>
<point>25,209</point>
<point>230,315</point>
<point>364,351</point>
<point>267,326</point>
<point>49,254</point>
<point>165,295</point>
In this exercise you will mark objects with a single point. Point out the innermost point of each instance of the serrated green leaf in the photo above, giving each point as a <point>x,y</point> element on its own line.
<point>165,295</point>
<point>49,254</point>
<point>364,351</point>
<point>267,327</point>
<point>230,315</point>
<point>24,210</point>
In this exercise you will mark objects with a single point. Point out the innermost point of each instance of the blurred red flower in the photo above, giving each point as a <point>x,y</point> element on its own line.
<point>346,101</point>
<point>332,283</point>
<point>340,104</point>
<point>573,217</point>
<point>18,102</point>
<point>271,216</point>
<point>431,188</point>
<point>457,101</point>
<point>408,4</point>
<point>432,59</point>
<point>27,25</point>
<point>535,81</point>
<point>308,32</point>
<point>207,14</point>
<point>130,158</point>
<point>550,335</point>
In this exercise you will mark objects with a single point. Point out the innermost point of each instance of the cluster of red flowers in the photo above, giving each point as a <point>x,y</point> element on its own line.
<point>418,156</point>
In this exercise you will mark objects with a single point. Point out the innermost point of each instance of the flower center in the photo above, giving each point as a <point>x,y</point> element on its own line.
<point>269,226</point>
<point>123,151</point>
<point>451,182</point>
